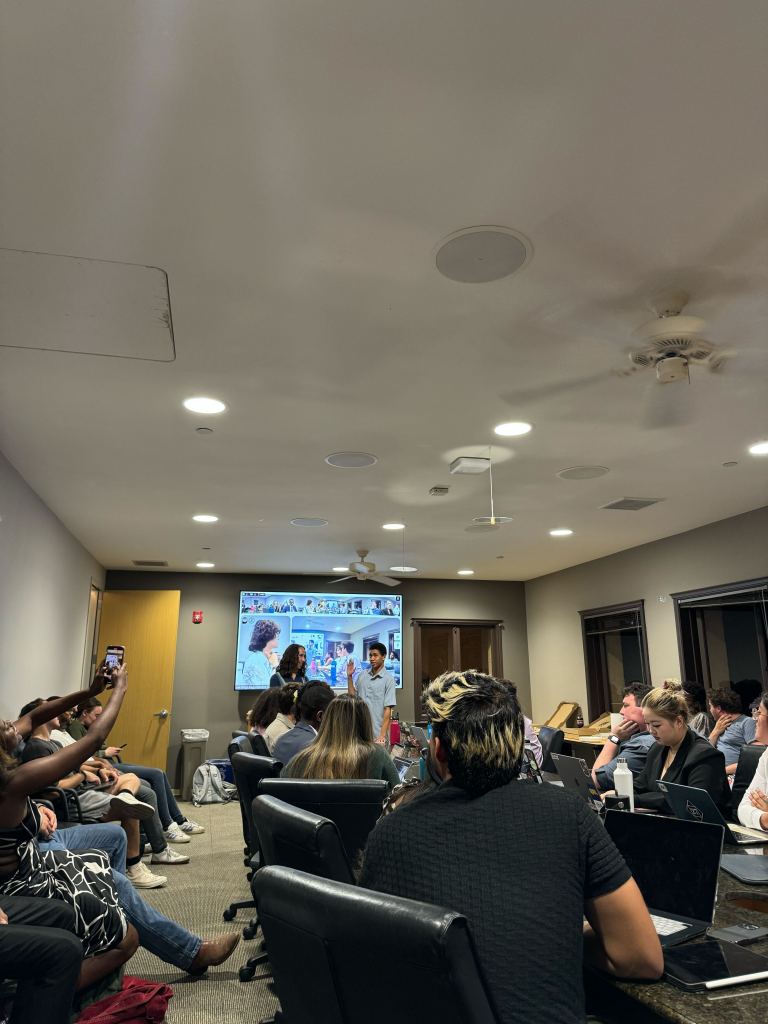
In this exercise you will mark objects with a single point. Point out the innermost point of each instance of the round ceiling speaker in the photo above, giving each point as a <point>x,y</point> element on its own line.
<point>351,460</point>
<point>582,472</point>
<point>311,521</point>
<point>480,254</point>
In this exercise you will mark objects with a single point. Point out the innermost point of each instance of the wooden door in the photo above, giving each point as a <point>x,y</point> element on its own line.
<point>145,622</point>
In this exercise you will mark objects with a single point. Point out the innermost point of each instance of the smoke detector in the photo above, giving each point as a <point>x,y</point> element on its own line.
<point>469,466</point>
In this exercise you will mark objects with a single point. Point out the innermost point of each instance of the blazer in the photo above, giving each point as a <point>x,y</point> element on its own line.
<point>697,763</point>
<point>291,742</point>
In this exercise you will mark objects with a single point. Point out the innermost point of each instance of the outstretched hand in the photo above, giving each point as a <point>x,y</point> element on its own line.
<point>100,680</point>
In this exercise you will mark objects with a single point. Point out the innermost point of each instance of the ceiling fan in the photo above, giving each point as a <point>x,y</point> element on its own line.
<point>363,570</point>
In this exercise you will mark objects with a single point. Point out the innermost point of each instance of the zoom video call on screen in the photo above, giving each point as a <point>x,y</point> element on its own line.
<point>324,624</point>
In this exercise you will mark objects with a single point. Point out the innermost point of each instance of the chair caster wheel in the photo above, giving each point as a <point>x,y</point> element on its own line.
<point>249,931</point>
<point>246,973</point>
<point>229,914</point>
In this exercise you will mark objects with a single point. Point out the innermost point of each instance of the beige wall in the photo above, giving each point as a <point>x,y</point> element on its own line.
<point>45,582</point>
<point>731,550</point>
<point>205,656</point>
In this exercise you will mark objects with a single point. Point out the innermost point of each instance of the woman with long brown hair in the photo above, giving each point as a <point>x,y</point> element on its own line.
<point>343,747</point>
<point>292,667</point>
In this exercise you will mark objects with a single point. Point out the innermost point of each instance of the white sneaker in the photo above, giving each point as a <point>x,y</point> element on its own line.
<point>174,834</point>
<point>169,856</point>
<point>127,806</point>
<point>142,878</point>
<point>192,828</point>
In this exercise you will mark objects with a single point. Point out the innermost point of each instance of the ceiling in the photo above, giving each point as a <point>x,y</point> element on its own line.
<point>292,167</point>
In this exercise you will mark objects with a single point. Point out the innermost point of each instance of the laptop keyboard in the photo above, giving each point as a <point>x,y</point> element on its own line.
<point>751,833</point>
<point>664,926</point>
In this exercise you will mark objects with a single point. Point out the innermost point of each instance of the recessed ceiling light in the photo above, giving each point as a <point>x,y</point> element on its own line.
<point>465,572</point>
<point>761,448</point>
<point>206,519</point>
<point>513,429</point>
<point>205,565</point>
<point>403,568</point>
<point>351,460</point>
<point>340,568</point>
<point>482,253</point>
<point>206,406</point>
<point>560,533</point>
<point>393,526</point>
<point>309,521</point>
<point>582,472</point>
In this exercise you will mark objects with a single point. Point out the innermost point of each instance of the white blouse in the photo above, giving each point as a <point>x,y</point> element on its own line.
<point>749,815</point>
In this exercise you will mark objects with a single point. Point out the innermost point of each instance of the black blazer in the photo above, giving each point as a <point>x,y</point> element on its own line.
<point>697,763</point>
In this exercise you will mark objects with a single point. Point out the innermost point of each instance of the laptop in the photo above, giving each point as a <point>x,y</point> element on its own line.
<point>406,768</point>
<point>751,870</point>
<point>575,775</point>
<point>675,865</point>
<point>693,804</point>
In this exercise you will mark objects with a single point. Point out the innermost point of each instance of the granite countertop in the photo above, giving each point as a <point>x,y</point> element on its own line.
<point>740,1004</point>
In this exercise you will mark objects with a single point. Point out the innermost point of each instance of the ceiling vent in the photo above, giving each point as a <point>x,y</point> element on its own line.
<point>632,504</point>
<point>147,563</point>
<point>438,492</point>
<point>469,465</point>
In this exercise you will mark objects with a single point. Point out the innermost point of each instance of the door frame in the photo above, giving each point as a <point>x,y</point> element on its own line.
<point>496,625</point>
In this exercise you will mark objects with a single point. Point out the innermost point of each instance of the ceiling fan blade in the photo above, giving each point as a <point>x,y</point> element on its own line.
<point>555,389</point>
<point>342,579</point>
<point>386,580</point>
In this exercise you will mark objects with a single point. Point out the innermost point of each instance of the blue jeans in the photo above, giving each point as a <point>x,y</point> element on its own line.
<point>167,807</point>
<point>157,933</point>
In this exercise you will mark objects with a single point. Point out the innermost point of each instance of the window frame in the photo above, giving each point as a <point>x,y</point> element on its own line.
<point>594,698</point>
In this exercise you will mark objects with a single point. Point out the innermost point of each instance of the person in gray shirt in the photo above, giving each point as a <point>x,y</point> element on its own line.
<point>377,688</point>
<point>631,740</point>
<point>732,730</point>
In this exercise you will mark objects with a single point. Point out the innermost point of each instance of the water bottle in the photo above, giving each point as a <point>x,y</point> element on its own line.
<point>623,782</point>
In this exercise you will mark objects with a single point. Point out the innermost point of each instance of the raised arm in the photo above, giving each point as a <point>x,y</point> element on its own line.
<point>52,708</point>
<point>46,771</point>
<point>351,688</point>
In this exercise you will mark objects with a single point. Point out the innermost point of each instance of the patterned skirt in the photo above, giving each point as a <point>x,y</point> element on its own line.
<point>84,881</point>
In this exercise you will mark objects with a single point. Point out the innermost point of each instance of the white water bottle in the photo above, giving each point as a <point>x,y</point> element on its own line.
<point>623,782</point>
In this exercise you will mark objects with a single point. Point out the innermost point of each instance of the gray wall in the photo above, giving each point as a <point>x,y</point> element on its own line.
<point>725,552</point>
<point>205,657</point>
<point>45,583</point>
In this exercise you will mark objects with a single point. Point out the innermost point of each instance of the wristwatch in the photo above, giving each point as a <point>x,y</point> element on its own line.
<point>614,739</point>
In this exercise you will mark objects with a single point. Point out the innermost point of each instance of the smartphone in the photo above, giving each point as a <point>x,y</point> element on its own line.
<point>113,659</point>
<point>741,934</point>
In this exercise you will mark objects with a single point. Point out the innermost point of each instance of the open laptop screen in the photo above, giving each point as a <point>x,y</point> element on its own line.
<point>674,863</point>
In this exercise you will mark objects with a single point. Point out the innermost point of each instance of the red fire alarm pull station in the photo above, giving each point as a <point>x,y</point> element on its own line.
<point>197,618</point>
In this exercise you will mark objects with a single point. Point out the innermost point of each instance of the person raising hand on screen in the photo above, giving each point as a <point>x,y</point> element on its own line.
<point>376,686</point>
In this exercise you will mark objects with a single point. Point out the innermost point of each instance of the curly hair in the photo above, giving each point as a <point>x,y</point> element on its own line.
<point>289,663</point>
<point>286,701</point>
<point>726,700</point>
<point>264,711</point>
<point>263,631</point>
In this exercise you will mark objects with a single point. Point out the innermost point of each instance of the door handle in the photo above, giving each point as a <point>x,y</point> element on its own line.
<point>161,714</point>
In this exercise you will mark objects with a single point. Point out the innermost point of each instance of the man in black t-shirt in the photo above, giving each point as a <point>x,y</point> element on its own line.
<point>525,863</point>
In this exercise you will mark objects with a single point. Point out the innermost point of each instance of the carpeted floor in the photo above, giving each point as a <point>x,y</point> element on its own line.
<point>196,895</point>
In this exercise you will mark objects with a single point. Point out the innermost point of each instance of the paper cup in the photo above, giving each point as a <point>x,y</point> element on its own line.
<point>616,721</point>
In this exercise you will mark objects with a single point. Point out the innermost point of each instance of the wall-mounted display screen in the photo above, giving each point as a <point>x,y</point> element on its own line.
<point>333,628</point>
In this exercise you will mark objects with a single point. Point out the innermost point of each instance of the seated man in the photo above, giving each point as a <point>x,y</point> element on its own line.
<point>732,729</point>
<point>632,741</point>
<point>41,953</point>
<point>517,860</point>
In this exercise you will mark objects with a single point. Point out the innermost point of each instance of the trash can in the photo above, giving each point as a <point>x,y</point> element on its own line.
<point>193,748</point>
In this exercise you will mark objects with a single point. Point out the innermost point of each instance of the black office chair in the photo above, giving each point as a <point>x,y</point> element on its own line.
<point>341,935</point>
<point>258,745</point>
<point>749,755</point>
<point>353,804</point>
<point>249,770</point>
<point>551,743</point>
<point>241,744</point>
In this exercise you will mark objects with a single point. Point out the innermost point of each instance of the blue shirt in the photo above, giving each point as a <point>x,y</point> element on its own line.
<point>737,734</point>
<point>378,692</point>
<point>291,742</point>
<point>634,750</point>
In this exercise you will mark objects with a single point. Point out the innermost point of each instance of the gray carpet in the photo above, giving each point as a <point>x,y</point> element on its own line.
<point>196,895</point>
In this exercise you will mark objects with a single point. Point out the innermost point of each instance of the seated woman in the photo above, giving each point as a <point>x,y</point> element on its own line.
<point>753,809</point>
<point>286,715</point>
<point>343,747</point>
<point>292,667</point>
<point>679,755</point>
<point>264,711</point>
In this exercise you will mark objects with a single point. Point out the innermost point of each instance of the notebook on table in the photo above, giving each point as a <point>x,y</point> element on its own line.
<point>694,804</point>
<point>675,865</point>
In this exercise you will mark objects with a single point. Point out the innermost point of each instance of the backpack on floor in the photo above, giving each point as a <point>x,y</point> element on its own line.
<point>208,786</point>
<point>139,1002</point>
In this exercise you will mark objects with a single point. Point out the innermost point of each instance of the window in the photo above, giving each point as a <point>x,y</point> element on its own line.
<point>615,654</point>
<point>723,635</point>
<point>445,645</point>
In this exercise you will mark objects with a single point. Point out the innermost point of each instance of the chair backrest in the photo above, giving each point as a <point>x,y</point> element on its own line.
<point>749,755</point>
<point>342,937</point>
<point>249,770</point>
<point>238,732</point>
<point>353,804</point>
<point>551,743</point>
<point>239,744</point>
<point>259,745</point>
<point>294,838</point>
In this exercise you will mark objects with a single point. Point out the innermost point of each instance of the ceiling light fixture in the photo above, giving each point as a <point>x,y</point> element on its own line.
<point>340,568</point>
<point>205,565</point>
<point>351,460</point>
<point>309,521</point>
<point>560,533</point>
<point>205,519</point>
<point>761,448</point>
<point>513,429</point>
<point>393,526</point>
<point>206,406</point>
<point>403,568</point>
<point>465,572</point>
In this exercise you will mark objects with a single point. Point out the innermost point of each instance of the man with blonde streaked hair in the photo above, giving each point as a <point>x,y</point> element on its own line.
<point>517,859</point>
